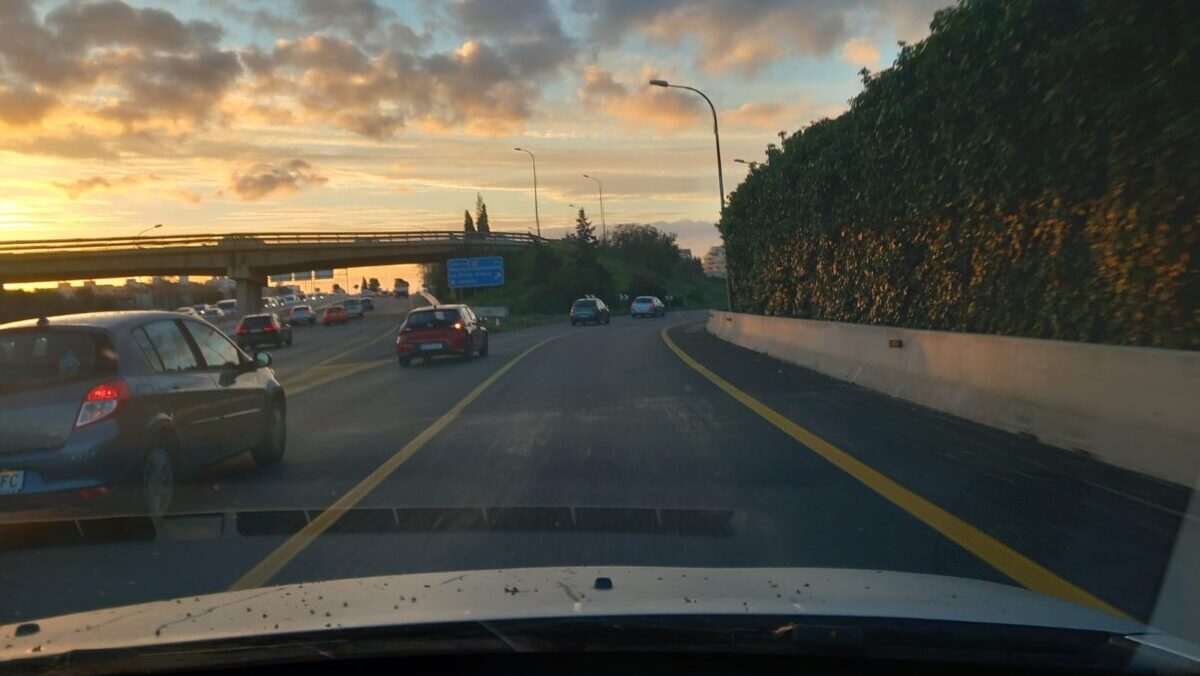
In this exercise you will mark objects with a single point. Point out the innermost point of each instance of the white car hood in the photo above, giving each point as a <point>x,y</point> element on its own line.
<point>530,593</point>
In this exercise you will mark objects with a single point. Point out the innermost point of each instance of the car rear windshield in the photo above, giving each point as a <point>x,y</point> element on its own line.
<point>257,321</point>
<point>585,305</point>
<point>301,309</point>
<point>427,318</point>
<point>351,303</point>
<point>643,299</point>
<point>32,359</point>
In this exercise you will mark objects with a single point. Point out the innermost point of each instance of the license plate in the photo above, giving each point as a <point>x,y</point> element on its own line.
<point>431,346</point>
<point>12,481</point>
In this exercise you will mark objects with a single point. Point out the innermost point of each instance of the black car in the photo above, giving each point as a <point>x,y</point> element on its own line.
<point>263,329</point>
<point>587,310</point>
<point>95,406</point>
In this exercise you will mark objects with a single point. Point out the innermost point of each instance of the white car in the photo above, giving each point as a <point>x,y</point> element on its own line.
<point>647,306</point>
<point>354,308</point>
<point>206,310</point>
<point>185,310</point>
<point>228,306</point>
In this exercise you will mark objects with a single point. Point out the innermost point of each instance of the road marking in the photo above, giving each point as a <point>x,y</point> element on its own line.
<point>323,375</point>
<point>276,560</point>
<point>1000,556</point>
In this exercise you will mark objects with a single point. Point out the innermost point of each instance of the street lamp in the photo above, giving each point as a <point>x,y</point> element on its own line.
<point>537,217</point>
<point>603,223</point>
<point>153,227</point>
<point>720,173</point>
<point>752,163</point>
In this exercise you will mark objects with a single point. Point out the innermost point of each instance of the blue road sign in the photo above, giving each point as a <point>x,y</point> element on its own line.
<point>465,273</point>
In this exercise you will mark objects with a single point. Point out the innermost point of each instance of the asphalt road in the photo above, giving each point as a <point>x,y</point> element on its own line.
<point>602,446</point>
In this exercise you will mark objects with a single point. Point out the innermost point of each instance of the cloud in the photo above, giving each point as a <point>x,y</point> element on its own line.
<point>76,144</point>
<point>744,37</point>
<point>185,195</point>
<point>474,88</point>
<point>861,52</point>
<point>732,35</point>
<point>25,106</point>
<point>261,180</point>
<point>668,110</point>
<point>79,187</point>
<point>762,114</point>
<point>533,37</point>
<point>115,62</point>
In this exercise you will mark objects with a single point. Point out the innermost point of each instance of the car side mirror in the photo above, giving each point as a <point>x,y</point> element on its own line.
<point>262,359</point>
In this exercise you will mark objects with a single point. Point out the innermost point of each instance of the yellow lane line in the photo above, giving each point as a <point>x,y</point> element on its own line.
<point>1007,560</point>
<point>261,573</point>
<point>322,375</point>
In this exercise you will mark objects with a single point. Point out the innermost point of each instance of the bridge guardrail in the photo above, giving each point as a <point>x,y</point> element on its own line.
<point>255,239</point>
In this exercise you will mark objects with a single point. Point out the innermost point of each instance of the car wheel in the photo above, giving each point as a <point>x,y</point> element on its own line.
<point>289,341</point>
<point>483,351</point>
<point>405,362</point>
<point>469,353</point>
<point>270,450</point>
<point>158,482</point>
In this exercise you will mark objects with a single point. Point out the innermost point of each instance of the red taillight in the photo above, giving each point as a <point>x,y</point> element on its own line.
<point>241,329</point>
<point>270,327</point>
<point>101,402</point>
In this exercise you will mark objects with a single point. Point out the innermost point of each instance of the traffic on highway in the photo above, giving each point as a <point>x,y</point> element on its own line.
<point>927,403</point>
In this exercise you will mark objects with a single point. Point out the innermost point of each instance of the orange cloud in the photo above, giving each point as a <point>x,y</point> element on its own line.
<point>79,187</point>
<point>667,110</point>
<point>262,180</point>
<point>861,52</point>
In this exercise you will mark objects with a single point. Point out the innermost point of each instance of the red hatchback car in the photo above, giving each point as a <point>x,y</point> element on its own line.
<point>335,314</point>
<point>444,329</point>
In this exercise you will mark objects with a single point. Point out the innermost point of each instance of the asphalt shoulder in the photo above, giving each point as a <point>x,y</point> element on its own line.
<point>1108,530</point>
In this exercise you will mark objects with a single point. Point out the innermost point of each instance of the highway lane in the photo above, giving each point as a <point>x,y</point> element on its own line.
<point>603,447</point>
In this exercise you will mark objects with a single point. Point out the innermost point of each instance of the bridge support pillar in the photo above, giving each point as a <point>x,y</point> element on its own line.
<point>248,292</point>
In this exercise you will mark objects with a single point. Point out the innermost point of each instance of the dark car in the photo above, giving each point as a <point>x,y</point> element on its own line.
<point>263,329</point>
<point>368,304</point>
<point>444,329</point>
<point>587,310</point>
<point>94,406</point>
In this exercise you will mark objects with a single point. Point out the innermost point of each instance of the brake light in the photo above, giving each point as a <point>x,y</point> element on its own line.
<point>241,329</point>
<point>101,402</point>
<point>270,327</point>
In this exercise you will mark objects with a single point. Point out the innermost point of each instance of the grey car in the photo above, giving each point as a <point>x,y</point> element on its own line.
<point>115,406</point>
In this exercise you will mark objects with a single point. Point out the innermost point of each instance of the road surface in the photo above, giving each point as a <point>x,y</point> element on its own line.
<point>604,446</point>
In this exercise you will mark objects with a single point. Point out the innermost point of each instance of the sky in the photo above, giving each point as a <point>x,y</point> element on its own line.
<point>358,115</point>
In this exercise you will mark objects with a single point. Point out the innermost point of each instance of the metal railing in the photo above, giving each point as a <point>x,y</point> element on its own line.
<point>256,239</point>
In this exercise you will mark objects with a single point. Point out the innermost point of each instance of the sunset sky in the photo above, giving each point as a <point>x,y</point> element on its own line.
<point>236,115</point>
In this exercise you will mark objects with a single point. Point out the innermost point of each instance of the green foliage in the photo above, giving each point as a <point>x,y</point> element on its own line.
<point>481,215</point>
<point>468,223</point>
<point>546,277</point>
<point>646,248</point>
<point>1029,169</point>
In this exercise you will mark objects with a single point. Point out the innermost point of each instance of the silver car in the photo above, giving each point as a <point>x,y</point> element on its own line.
<point>647,306</point>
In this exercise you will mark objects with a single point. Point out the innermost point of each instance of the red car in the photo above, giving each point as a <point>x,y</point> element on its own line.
<point>335,314</point>
<point>443,329</point>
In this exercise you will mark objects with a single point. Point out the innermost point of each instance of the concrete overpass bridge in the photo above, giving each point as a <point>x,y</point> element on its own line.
<point>247,258</point>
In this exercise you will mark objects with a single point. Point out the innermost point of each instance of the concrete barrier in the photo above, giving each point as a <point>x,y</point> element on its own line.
<point>1133,407</point>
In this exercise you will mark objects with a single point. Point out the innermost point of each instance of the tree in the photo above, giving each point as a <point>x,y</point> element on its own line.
<point>468,223</point>
<point>373,284</point>
<point>584,239</point>
<point>481,216</point>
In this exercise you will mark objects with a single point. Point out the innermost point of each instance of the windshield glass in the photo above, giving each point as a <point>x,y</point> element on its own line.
<point>342,289</point>
<point>257,321</point>
<point>427,318</point>
<point>31,359</point>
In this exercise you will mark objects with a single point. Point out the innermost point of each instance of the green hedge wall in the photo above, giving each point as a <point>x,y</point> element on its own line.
<point>1032,168</point>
